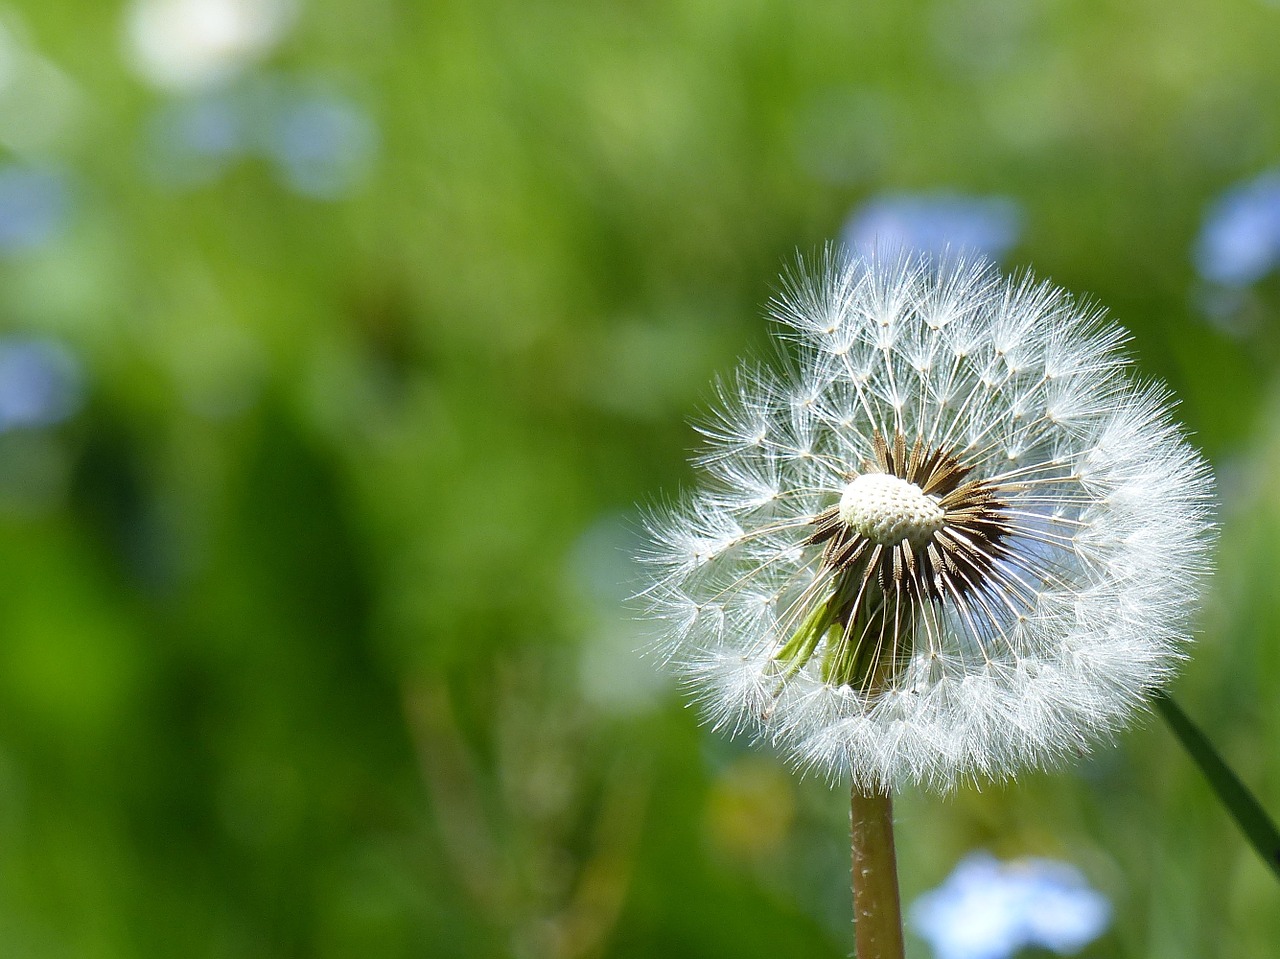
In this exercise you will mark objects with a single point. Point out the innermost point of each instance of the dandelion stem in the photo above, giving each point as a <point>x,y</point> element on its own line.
<point>1241,804</point>
<point>877,914</point>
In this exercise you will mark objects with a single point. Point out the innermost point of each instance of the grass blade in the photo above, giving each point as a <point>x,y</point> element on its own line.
<point>1244,808</point>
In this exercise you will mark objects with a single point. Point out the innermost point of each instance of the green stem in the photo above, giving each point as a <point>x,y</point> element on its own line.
<point>1241,804</point>
<point>797,650</point>
<point>877,914</point>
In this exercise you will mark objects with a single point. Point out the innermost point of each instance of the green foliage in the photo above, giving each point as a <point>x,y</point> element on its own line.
<point>311,638</point>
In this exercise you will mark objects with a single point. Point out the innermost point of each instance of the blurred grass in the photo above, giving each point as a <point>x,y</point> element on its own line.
<point>292,635</point>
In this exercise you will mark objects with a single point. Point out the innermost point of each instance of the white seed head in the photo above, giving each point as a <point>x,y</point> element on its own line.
<point>1012,570</point>
<point>886,510</point>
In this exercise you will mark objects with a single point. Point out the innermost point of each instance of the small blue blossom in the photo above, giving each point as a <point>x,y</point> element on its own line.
<point>35,204</point>
<point>40,383</point>
<point>193,140</point>
<point>991,910</point>
<point>935,224</point>
<point>321,145</point>
<point>1239,242</point>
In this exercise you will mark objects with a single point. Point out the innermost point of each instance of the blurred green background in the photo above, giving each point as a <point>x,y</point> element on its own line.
<point>340,341</point>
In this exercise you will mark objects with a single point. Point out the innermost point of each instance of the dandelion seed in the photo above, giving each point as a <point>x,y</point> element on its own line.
<point>958,540</point>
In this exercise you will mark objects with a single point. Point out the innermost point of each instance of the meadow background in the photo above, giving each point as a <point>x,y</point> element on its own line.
<point>339,342</point>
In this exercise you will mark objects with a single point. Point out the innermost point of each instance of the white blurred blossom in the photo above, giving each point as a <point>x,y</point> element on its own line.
<point>195,44</point>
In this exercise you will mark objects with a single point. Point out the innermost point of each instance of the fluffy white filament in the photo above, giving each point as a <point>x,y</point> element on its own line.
<point>1106,508</point>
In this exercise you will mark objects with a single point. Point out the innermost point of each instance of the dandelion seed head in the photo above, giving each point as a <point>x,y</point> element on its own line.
<point>958,540</point>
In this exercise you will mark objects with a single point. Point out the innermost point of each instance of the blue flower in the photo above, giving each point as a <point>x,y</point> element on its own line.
<point>991,910</point>
<point>1239,242</point>
<point>40,383</point>
<point>34,207</point>
<point>192,141</point>
<point>935,224</point>
<point>321,145</point>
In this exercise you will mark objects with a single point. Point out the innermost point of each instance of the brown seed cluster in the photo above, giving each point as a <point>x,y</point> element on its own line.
<point>955,561</point>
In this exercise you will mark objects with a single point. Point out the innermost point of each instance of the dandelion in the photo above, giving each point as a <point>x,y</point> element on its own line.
<point>957,539</point>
